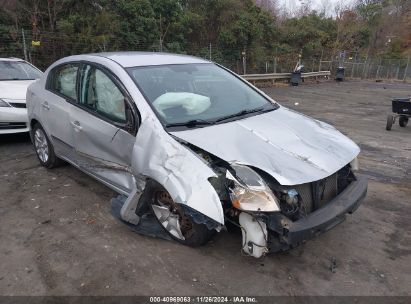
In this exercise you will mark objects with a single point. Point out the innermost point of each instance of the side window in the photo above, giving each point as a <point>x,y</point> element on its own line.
<point>64,81</point>
<point>100,94</point>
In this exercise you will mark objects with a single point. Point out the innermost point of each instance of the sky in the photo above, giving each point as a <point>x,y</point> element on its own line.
<point>293,5</point>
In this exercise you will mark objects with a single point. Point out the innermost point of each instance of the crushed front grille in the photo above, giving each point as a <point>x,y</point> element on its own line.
<point>307,197</point>
<point>317,194</point>
<point>325,190</point>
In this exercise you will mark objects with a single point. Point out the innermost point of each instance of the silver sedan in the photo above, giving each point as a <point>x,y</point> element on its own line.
<point>196,146</point>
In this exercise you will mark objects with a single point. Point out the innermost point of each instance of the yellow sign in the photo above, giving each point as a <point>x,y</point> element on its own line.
<point>35,43</point>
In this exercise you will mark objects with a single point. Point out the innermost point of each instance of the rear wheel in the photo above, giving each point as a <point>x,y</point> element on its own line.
<point>175,221</point>
<point>403,121</point>
<point>44,148</point>
<point>390,121</point>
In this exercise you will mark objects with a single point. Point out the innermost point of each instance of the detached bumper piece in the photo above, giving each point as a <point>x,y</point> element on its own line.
<point>148,224</point>
<point>284,234</point>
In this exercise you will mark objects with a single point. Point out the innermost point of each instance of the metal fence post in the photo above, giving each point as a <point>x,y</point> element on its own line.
<point>365,67</point>
<point>352,69</point>
<point>244,63</point>
<point>406,69</point>
<point>378,69</point>
<point>24,44</point>
<point>321,60</point>
<point>388,71</point>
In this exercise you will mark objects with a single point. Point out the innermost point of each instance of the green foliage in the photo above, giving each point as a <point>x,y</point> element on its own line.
<point>310,33</point>
<point>231,27</point>
<point>370,11</point>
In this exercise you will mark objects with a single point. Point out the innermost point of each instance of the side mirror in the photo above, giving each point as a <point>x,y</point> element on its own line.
<point>132,118</point>
<point>130,124</point>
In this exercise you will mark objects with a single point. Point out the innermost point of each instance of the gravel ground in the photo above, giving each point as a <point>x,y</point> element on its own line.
<point>57,236</point>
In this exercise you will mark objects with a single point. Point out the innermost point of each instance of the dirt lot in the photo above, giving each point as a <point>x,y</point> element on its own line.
<point>57,236</point>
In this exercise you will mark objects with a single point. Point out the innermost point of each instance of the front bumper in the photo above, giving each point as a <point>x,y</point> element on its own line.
<point>285,234</point>
<point>13,120</point>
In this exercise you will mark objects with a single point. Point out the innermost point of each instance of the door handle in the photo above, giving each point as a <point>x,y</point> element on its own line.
<point>46,105</point>
<point>76,125</point>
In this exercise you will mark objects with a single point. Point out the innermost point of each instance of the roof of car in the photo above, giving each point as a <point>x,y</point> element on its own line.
<point>132,59</point>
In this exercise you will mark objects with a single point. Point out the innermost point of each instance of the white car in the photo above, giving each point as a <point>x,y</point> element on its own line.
<point>15,76</point>
<point>195,146</point>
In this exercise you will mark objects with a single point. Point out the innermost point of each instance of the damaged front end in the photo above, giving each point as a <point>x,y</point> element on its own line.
<point>273,217</point>
<point>276,218</point>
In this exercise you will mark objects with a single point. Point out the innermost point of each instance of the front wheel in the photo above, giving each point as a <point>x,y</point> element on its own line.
<point>175,221</point>
<point>403,121</point>
<point>44,148</point>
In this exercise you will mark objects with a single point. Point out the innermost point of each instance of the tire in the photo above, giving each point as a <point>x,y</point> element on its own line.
<point>390,121</point>
<point>168,213</point>
<point>403,121</point>
<point>44,148</point>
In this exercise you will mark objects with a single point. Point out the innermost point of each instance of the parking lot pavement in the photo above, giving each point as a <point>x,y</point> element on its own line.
<point>57,236</point>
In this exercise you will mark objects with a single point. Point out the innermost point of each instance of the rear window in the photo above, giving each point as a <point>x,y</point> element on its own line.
<point>64,81</point>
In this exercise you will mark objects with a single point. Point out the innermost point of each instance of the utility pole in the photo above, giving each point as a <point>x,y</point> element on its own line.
<point>209,51</point>
<point>24,45</point>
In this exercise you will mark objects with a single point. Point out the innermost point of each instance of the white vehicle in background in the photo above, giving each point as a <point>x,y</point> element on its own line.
<point>15,76</point>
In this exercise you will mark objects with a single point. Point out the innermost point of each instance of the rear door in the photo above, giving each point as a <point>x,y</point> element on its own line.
<point>104,128</point>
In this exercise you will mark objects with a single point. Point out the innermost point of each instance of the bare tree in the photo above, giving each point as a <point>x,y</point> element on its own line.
<point>271,6</point>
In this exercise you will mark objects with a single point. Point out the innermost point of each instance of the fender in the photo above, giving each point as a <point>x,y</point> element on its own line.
<point>158,156</point>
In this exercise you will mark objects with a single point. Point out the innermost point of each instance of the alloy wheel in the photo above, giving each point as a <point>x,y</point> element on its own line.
<point>41,144</point>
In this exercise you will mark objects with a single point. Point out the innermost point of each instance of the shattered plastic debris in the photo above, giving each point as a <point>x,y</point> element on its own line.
<point>333,265</point>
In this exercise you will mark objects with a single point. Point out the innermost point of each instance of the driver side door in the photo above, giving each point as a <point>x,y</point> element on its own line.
<point>105,124</point>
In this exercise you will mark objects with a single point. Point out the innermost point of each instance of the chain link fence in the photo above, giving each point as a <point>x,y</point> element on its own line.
<point>42,50</point>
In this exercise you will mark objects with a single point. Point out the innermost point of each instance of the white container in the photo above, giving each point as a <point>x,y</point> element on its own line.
<point>254,235</point>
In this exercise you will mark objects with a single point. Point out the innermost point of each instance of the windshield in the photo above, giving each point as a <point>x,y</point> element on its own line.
<point>18,70</point>
<point>204,93</point>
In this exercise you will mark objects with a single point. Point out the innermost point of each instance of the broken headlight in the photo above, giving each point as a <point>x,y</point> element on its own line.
<point>249,192</point>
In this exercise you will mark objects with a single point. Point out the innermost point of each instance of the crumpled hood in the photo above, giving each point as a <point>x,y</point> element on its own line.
<point>14,89</point>
<point>291,147</point>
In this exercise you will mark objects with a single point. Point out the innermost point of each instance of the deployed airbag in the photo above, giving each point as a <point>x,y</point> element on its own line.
<point>193,103</point>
